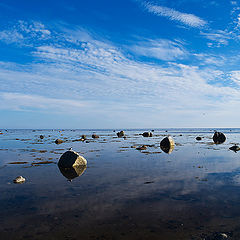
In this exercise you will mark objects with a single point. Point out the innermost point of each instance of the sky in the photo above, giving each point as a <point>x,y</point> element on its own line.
<point>119,64</point>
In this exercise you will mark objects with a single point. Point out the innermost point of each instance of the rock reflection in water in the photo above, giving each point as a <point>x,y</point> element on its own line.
<point>72,172</point>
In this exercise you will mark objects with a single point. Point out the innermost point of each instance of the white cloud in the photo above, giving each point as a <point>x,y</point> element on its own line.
<point>96,76</point>
<point>219,38</point>
<point>163,49</point>
<point>23,33</point>
<point>184,18</point>
<point>27,102</point>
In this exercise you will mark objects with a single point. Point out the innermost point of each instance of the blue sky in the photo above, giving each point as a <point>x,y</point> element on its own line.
<point>119,64</point>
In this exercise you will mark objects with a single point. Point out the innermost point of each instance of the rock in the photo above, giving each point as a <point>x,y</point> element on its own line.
<point>72,172</point>
<point>144,147</point>
<point>120,134</point>
<point>152,130</point>
<point>71,159</point>
<point>147,134</point>
<point>198,138</point>
<point>59,141</point>
<point>219,137</point>
<point>84,137</point>
<point>41,136</point>
<point>19,179</point>
<point>95,136</point>
<point>235,148</point>
<point>167,144</point>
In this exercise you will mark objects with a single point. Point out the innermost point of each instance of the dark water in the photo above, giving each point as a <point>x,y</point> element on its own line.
<point>192,193</point>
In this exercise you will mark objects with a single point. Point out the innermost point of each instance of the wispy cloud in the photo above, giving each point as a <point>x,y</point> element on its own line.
<point>218,38</point>
<point>27,102</point>
<point>162,49</point>
<point>24,33</point>
<point>185,18</point>
<point>78,71</point>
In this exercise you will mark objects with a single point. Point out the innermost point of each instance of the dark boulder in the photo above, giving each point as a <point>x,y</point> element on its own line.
<point>70,159</point>
<point>219,137</point>
<point>121,134</point>
<point>95,136</point>
<point>147,134</point>
<point>84,137</point>
<point>41,137</point>
<point>167,144</point>
<point>198,138</point>
<point>59,141</point>
<point>235,148</point>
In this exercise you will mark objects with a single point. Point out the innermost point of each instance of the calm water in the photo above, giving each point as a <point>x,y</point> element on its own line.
<point>192,193</point>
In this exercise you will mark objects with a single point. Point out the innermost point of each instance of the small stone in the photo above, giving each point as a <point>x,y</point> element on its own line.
<point>95,136</point>
<point>198,138</point>
<point>59,141</point>
<point>147,134</point>
<point>219,137</point>
<point>41,136</point>
<point>120,134</point>
<point>19,179</point>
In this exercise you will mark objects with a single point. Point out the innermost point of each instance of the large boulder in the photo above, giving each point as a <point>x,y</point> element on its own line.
<point>147,134</point>
<point>121,134</point>
<point>167,144</point>
<point>219,137</point>
<point>70,159</point>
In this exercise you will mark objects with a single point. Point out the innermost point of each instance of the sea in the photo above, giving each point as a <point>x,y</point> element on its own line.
<point>191,192</point>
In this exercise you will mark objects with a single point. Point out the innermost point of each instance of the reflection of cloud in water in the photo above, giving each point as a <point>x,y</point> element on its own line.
<point>73,172</point>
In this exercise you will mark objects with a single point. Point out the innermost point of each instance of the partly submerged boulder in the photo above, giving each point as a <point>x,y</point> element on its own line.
<point>71,159</point>
<point>235,148</point>
<point>59,141</point>
<point>147,134</point>
<point>19,179</point>
<point>198,138</point>
<point>219,137</point>
<point>84,137</point>
<point>167,144</point>
<point>41,137</point>
<point>95,136</point>
<point>121,134</point>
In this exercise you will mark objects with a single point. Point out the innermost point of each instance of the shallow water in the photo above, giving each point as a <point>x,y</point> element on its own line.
<point>192,193</point>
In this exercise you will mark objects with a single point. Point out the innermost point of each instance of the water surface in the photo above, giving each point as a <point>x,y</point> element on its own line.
<point>192,193</point>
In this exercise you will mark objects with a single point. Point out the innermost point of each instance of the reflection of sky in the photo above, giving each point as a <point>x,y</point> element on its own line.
<point>197,176</point>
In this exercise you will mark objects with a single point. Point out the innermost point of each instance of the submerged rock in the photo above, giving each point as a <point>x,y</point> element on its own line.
<point>72,172</point>
<point>59,141</point>
<point>120,134</point>
<point>219,137</point>
<point>167,144</point>
<point>70,159</point>
<point>147,134</point>
<point>19,179</point>
<point>235,148</point>
<point>95,136</point>
<point>144,147</point>
<point>198,138</point>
